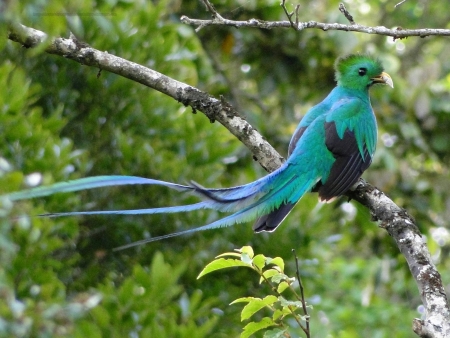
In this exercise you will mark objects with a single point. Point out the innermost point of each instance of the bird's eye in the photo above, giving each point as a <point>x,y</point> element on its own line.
<point>362,71</point>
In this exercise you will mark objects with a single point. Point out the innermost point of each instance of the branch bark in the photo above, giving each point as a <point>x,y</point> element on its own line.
<point>397,33</point>
<point>395,220</point>
<point>403,229</point>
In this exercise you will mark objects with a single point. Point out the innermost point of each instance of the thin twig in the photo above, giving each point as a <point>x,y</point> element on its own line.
<point>289,15</point>
<point>399,3</point>
<point>297,7</point>
<point>346,14</point>
<point>212,9</point>
<point>305,309</point>
<point>274,289</point>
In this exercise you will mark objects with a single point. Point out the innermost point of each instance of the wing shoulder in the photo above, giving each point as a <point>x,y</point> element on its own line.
<point>315,112</point>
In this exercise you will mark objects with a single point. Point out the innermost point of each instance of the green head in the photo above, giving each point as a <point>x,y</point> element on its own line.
<point>360,72</point>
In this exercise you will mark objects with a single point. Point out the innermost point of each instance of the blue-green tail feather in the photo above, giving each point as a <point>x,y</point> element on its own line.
<point>265,204</point>
<point>91,183</point>
<point>247,202</point>
<point>150,211</point>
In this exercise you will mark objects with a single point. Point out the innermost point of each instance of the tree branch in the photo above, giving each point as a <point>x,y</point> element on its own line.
<point>398,33</point>
<point>395,220</point>
<point>411,244</point>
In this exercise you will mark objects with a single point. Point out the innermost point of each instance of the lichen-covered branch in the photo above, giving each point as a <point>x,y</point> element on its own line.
<point>391,217</point>
<point>402,228</point>
<point>397,33</point>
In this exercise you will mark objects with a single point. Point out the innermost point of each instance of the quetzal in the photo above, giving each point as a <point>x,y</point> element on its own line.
<point>330,149</point>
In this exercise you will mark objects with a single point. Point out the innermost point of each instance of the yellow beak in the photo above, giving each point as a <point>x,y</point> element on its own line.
<point>383,78</point>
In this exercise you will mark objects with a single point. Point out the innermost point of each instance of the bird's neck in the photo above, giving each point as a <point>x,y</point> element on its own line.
<point>363,94</point>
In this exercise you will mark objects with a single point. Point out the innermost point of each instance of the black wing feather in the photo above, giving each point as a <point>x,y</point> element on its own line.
<point>349,164</point>
<point>272,220</point>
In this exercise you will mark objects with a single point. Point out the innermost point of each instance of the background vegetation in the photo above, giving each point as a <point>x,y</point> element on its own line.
<point>60,121</point>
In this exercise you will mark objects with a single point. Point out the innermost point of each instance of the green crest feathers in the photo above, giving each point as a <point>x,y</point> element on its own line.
<point>347,68</point>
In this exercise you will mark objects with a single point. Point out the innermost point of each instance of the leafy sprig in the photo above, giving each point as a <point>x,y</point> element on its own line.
<point>271,272</point>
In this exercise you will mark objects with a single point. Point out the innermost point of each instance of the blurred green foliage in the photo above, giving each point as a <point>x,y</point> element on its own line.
<point>59,121</point>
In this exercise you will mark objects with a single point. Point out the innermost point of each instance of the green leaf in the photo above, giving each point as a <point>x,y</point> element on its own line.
<point>222,263</point>
<point>285,302</point>
<point>259,261</point>
<point>246,259</point>
<point>282,286</point>
<point>268,274</point>
<point>247,250</point>
<point>281,277</point>
<point>228,254</point>
<point>275,333</point>
<point>253,327</point>
<point>280,313</point>
<point>243,300</point>
<point>278,261</point>
<point>255,305</point>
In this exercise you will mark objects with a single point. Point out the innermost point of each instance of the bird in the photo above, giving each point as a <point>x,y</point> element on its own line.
<point>332,146</point>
